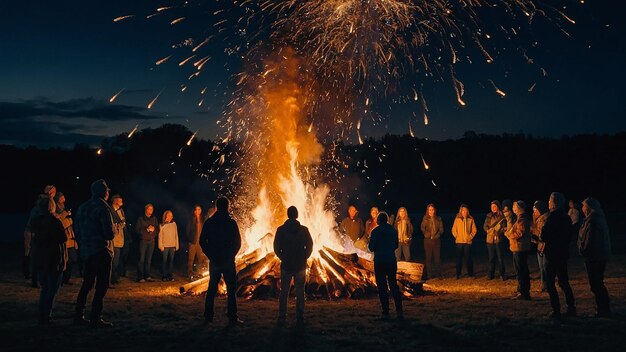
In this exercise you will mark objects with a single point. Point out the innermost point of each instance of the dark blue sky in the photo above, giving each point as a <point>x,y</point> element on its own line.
<point>60,62</point>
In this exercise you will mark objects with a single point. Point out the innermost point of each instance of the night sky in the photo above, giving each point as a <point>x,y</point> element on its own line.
<point>60,62</point>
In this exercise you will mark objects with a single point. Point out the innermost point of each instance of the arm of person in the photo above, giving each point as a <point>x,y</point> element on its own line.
<point>439,228</point>
<point>423,228</point>
<point>373,241</point>
<point>455,228</point>
<point>236,239</point>
<point>176,237</point>
<point>106,221</point>
<point>487,224</point>
<point>361,228</point>
<point>309,243</point>
<point>160,242</point>
<point>473,230</point>
<point>278,249</point>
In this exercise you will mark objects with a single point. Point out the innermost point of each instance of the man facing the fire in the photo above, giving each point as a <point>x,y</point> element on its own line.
<point>293,245</point>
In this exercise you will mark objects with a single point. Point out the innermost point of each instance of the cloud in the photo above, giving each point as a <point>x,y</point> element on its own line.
<point>43,122</point>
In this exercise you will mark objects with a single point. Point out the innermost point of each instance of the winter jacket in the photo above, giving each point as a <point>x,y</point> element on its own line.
<point>464,229</point>
<point>556,233</point>
<point>353,228</point>
<point>142,227</point>
<point>220,238</point>
<point>193,230</point>
<point>94,228</point>
<point>369,226</point>
<point>594,241</point>
<point>168,236</point>
<point>404,236</point>
<point>49,251</point>
<point>519,233</point>
<point>384,242</point>
<point>293,245</point>
<point>119,227</point>
<point>509,217</point>
<point>432,227</point>
<point>538,224</point>
<point>494,227</point>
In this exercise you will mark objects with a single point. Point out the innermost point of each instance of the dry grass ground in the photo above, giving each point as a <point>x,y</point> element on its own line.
<point>466,314</point>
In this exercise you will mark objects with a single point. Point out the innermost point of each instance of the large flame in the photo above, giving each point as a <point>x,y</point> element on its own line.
<point>284,159</point>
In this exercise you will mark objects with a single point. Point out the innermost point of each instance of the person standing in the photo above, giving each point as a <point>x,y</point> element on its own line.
<point>168,244</point>
<point>119,237</point>
<point>574,214</point>
<point>519,243</point>
<point>49,259</point>
<point>147,227</point>
<point>64,215</point>
<point>594,244</point>
<point>540,214</point>
<point>556,234</point>
<point>404,227</point>
<point>372,222</point>
<point>352,226</point>
<point>221,240</point>
<point>464,230</point>
<point>432,229</point>
<point>494,228</point>
<point>293,245</point>
<point>194,229</point>
<point>509,216</point>
<point>95,240</point>
<point>383,243</point>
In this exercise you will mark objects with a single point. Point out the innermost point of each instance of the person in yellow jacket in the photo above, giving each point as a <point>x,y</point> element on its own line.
<point>519,243</point>
<point>464,230</point>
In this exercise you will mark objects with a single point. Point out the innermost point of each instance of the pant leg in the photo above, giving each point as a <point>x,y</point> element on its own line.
<point>299,280</point>
<point>595,272</point>
<point>428,251</point>
<point>141,264</point>
<point>437,255</point>
<point>563,278</point>
<point>541,260</point>
<point>172,255</point>
<point>230,278</point>
<point>164,256</point>
<point>551,285</point>
<point>518,270</point>
<point>103,278</point>
<point>380,273</point>
<point>491,250</point>
<point>214,279</point>
<point>149,254</point>
<point>468,257</point>
<point>191,258</point>
<point>89,279</point>
<point>524,274</point>
<point>124,259</point>
<point>500,254</point>
<point>50,283</point>
<point>398,252</point>
<point>391,274</point>
<point>285,286</point>
<point>459,259</point>
<point>115,276</point>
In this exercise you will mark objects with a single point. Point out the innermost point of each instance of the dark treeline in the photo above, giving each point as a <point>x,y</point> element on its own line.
<point>387,172</point>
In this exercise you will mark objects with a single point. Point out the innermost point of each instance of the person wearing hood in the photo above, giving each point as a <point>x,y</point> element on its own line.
<point>50,257</point>
<point>594,244</point>
<point>293,245</point>
<point>540,214</point>
<point>352,225</point>
<point>383,244</point>
<point>519,243</point>
<point>556,234</point>
<point>221,240</point>
<point>402,224</point>
<point>464,230</point>
<point>494,228</point>
<point>64,215</point>
<point>432,229</point>
<point>94,233</point>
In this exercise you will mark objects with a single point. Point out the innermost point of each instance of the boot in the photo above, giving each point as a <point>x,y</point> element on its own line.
<point>79,318</point>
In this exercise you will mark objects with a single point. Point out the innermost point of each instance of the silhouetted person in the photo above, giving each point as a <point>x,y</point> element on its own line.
<point>293,245</point>
<point>147,227</point>
<point>519,243</point>
<point>494,228</point>
<point>402,224</point>
<point>556,234</point>
<point>594,244</point>
<point>464,230</point>
<point>95,240</point>
<point>432,228</point>
<point>49,257</point>
<point>220,240</point>
<point>540,215</point>
<point>384,242</point>
<point>352,225</point>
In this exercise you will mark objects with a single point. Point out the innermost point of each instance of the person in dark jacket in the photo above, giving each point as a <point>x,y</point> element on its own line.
<point>94,233</point>
<point>293,245</point>
<point>220,240</point>
<point>519,243</point>
<point>64,215</point>
<point>594,244</point>
<point>50,257</point>
<point>494,228</point>
<point>432,229</point>
<point>194,229</point>
<point>556,234</point>
<point>352,226</point>
<point>147,227</point>
<point>119,226</point>
<point>384,242</point>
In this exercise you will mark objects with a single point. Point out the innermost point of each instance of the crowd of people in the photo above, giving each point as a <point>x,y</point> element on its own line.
<point>98,240</point>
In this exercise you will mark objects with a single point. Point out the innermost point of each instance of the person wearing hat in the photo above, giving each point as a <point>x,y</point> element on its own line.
<point>540,215</point>
<point>494,228</point>
<point>94,232</point>
<point>519,243</point>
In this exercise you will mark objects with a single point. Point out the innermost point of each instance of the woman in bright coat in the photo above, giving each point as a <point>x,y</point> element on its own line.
<point>464,230</point>
<point>168,244</point>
